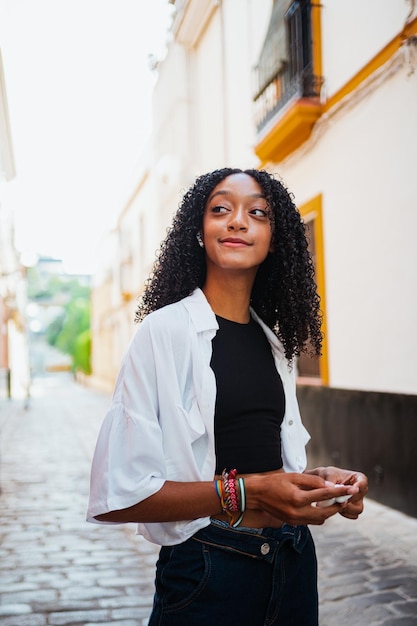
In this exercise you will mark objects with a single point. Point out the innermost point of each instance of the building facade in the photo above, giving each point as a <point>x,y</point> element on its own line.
<point>336,117</point>
<point>125,258</point>
<point>324,95</point>
<point>14,374</point>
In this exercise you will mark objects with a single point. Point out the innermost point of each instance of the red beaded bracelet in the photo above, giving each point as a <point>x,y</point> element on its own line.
<point>231,492</point>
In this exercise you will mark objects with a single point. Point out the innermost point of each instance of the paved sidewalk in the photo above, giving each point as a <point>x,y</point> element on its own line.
<point>55,569</point>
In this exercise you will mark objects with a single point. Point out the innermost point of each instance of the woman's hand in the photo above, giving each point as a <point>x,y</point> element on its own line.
<point>291,497</point>
<point>354,506</point>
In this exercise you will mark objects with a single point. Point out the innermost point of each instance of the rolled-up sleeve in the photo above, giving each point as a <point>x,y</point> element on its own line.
<point>128,463</point>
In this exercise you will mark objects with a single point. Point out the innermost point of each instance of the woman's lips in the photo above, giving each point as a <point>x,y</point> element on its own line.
<point>234,241</point>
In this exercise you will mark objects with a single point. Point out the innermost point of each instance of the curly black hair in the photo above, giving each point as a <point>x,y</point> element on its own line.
<point>284,294</point>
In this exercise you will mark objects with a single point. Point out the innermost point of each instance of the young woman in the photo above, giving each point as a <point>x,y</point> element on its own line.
<point>203,445</point>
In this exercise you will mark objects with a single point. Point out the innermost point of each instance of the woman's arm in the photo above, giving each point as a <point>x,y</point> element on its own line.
<point>174,502</point>
<point>285,496</point>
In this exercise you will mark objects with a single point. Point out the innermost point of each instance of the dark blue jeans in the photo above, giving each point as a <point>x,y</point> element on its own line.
<point>245,577</point>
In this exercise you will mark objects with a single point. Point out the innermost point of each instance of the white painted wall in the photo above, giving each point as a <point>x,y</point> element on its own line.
<point>7,164</point>
<point>245,31</point>
<point>208,98</point>
<point>364,164</point>
<point>354,32</point>
<point>203,98</point>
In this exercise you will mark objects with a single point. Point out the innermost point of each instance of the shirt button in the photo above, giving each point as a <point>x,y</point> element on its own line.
<point>265,548</point>
<point>291,422</point>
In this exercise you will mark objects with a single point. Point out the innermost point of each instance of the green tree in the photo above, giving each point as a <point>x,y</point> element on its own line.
<point>82,352</point>
<point>74,337</point>
<point>69,331</point>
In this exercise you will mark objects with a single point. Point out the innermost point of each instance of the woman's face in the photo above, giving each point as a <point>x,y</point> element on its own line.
<point>236,229</point>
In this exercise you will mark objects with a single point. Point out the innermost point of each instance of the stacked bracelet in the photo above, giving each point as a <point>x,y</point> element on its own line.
<point>232,494</point>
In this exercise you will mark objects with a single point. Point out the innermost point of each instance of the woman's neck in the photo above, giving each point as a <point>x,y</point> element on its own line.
<point>229,298</point>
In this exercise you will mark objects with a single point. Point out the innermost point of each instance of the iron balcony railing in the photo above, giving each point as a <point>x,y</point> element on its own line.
<point>281,89</point>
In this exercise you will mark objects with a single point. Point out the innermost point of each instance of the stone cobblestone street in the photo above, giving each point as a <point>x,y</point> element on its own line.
<point>57,570</point>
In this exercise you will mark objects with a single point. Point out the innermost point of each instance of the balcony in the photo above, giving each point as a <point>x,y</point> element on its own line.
<point>286,110</point>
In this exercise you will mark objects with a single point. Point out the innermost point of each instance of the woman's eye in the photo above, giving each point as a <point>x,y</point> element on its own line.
<point>218,209</point>
<point>260,212</point>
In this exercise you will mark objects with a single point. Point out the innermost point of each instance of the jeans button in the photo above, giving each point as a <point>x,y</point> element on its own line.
<point>265,548</point>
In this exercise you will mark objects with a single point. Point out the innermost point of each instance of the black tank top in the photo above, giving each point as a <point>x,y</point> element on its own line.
<point>250,402</point>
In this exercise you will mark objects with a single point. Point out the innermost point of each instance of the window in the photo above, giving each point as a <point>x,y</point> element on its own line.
<point>285,68</point>
<point>299,38</point>
<point>307,366</point>
<point>313,370</point>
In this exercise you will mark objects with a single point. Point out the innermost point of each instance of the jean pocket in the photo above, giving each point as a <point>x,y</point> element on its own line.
<point>182,573</point>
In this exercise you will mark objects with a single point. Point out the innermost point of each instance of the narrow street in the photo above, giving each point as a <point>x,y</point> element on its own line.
<point>58,570</point>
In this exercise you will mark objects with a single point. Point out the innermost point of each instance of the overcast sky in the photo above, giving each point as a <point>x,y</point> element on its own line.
<point>78,88</point>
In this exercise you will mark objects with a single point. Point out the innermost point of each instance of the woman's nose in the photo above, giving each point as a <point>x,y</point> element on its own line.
<point>238,220</point>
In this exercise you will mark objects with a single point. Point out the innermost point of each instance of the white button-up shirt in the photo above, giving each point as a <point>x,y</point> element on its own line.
<point>160,425</point>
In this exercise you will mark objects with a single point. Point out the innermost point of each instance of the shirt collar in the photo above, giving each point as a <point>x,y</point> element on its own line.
<point>273,339</point>
<point>203,318</point>
<point>200,311</point>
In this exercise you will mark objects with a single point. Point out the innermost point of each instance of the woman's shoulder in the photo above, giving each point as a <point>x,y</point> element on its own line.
<point>192,311</point>
<point>169,324</point>
<point>168,316</point>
